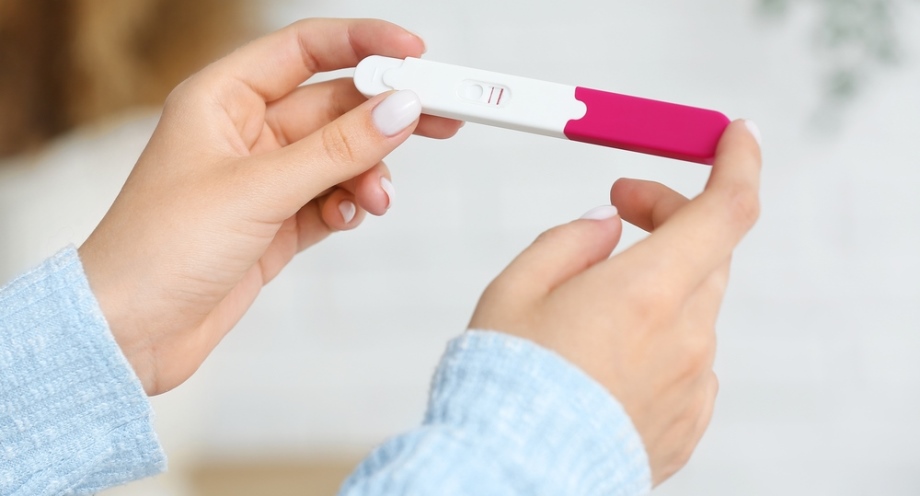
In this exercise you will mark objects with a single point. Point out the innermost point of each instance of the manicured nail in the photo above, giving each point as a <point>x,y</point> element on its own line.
<point>396,112</point>
<point>601,213</point>
<point>754,130</point>
<point>388,188</point>
<point>348,210</point>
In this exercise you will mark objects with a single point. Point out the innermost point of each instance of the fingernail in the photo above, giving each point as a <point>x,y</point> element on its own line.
<point>396,112</point>
<point>388,188</point>
<point>601,213</point>
<point>348,210</point>
<point>754,130</point>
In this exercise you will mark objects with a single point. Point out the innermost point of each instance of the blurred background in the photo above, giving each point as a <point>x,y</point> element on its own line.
<point>820,332</point>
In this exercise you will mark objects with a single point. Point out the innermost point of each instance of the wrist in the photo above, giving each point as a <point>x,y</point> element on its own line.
<point>114,302</point>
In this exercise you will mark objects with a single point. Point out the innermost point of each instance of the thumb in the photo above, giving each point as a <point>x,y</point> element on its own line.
<point>563,252</point>
<point>340,150</point>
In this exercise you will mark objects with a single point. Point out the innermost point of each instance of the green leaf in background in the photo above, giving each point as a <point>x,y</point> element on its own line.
<point>854,39</point>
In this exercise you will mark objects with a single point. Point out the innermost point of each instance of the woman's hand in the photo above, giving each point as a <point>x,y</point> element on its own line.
<point>245,169</point>
<point>641,323</point>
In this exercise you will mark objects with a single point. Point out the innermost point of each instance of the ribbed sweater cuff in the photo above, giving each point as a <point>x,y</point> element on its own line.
<point>541,414</point>
<point>74,418</point>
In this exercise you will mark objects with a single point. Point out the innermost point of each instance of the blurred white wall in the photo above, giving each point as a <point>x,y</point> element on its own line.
<point>820,333</point>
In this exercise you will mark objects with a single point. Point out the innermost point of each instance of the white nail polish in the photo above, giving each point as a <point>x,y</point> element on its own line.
<point>348,211</point>
<point>601,213</point>
<point>754,130</point>
<point>396,112</point>
<point>388,188</point>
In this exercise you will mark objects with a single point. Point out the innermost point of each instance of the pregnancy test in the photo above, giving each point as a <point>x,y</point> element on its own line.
<point>569,112</point>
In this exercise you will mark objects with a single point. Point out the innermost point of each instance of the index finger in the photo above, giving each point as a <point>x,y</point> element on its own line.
<point>698,238</point>
<point>272,66</point>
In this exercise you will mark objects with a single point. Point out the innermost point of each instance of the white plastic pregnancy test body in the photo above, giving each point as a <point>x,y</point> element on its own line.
<point>551,109</point>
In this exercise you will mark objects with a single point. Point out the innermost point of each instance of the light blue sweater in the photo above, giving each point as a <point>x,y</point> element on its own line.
<point>505,416</point>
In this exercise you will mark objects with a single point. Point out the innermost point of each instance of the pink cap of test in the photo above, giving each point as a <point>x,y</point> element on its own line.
<point>648,126</point>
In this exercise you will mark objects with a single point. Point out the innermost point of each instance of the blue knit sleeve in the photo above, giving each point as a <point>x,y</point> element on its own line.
<point>507,417</point>
<point>74,418</point>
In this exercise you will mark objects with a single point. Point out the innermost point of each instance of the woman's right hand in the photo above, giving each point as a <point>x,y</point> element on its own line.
<point>247,167</point>
<point>641,323</point>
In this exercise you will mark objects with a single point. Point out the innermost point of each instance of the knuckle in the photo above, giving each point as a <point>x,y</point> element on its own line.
<point>714,385</point>
<point>699,354</point>
<point>654,302</point>
<point>499,289</point>
<point>178,94</point>
<point>706,396</point>
<point>549,237</point>
<point>716,283</point>
<point>505,293</point>
<point>706,351</point>
<point>744,205</point>
<point>642,305</point>
<point>503,308</point>
<point>192,93</point>
<point>338,145</point>
<point>337,108</point>
<point>670,296</point>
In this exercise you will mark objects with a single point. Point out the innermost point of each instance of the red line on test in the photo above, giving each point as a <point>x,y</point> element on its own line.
<point>500,93</point>
<point>491,93</point>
